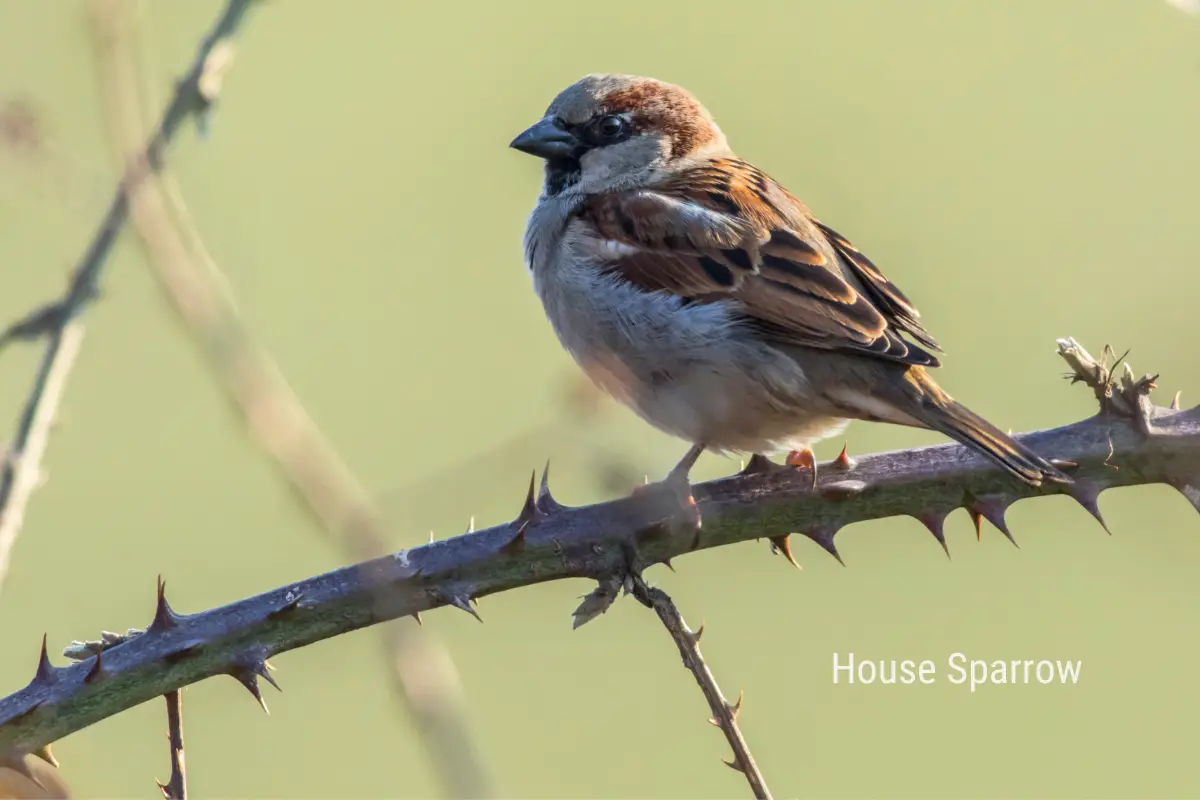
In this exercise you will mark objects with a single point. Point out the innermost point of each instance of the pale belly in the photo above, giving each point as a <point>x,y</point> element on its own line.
<point>690,371</point>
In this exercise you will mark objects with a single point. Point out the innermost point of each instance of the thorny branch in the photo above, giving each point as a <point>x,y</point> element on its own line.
<point>176,786</point>
<point>725,714</point>
<point>548,541</point>
<point>277,421</point>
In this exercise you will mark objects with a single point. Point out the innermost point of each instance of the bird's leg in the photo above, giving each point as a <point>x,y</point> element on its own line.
<point>677,481</point>
<point>804,458</point>
<point>678,476</point>
<point>679,486</point>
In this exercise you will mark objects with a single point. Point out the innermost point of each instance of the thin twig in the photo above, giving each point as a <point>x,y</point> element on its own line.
<point>84,285</point>
<point>725,714</point>
<point>22,468</point>
<point>556,542</point>
<point>176,787</point>
<point>276,419</point>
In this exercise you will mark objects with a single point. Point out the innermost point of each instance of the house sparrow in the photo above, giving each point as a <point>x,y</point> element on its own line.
<point>695,289</point>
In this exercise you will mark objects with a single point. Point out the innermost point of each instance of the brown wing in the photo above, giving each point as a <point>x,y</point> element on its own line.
<point>718,233</point>
<point>887,296</point>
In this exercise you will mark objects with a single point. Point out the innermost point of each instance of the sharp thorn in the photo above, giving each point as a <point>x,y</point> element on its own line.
<point>824,537</point>
<point>45,755</point>
<point>162,787</point>
<point>935,521</point>
<point>696,634</point>
<point>781,544</point>
<point>471,525</point>
<point>417,616</point>
<point>667,563</point>
<point>265,674</point>
<point>1063,464</point>
<point>733,765</point>
<point>46,671</point>
<point>1088,495</point>
<point>1175,400</point>
<point>164,617</point>
<point>546,502</point>
<point>991,509</point>
<point>716,723</point>
<point>736,708</point>
<point>517,542</point>
<point>759,465</point>
<point>97,668</point>
<point>529,511</point>
<point>844,461</point>
<point>431,537</point>
<point>249,678</point>
<point>461,602</point>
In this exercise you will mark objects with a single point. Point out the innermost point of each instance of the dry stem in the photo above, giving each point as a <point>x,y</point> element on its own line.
<point>725,714</point>
<point>176,787</point>
<point>21,472</point>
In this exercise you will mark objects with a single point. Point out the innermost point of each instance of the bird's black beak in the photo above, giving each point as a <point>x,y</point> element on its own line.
<point>546,139</point>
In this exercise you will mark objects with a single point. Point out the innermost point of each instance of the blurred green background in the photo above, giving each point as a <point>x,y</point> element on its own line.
<point>1024,170</point>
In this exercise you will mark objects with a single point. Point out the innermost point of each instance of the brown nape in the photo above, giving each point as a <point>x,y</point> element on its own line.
<point>656,106</point>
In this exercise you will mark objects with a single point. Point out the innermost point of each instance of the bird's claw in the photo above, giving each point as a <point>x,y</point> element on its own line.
<point>804,459</point>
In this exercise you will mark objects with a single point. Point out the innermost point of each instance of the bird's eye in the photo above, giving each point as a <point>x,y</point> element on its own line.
<point>611,126</point>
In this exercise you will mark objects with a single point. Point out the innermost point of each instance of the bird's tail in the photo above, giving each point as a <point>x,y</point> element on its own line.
<point>939,411</point>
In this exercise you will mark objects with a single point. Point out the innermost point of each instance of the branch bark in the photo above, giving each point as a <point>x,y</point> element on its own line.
<point>548,541</point>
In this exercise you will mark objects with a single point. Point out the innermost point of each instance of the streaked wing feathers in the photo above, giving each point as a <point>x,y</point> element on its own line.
<point>725,231</point>
<point>886,294</point>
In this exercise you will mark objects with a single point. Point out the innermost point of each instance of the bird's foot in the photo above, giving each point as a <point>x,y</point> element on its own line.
<point>804,459</point>
<point>678,487</point>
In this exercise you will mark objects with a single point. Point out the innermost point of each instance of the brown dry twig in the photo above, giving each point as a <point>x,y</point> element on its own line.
<point>725,714</point>
<point>275,418</point>
<point>176,786</point>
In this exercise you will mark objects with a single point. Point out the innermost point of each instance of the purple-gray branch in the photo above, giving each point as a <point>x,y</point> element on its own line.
<point>604,541</point>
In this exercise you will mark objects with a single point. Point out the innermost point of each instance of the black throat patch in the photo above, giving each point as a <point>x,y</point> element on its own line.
<point>561,173</point>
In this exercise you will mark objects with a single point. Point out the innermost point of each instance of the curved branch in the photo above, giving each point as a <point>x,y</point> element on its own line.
<point>548,541</point>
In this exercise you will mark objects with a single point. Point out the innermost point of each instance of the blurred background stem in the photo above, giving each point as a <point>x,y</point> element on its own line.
<point>191,281</point>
